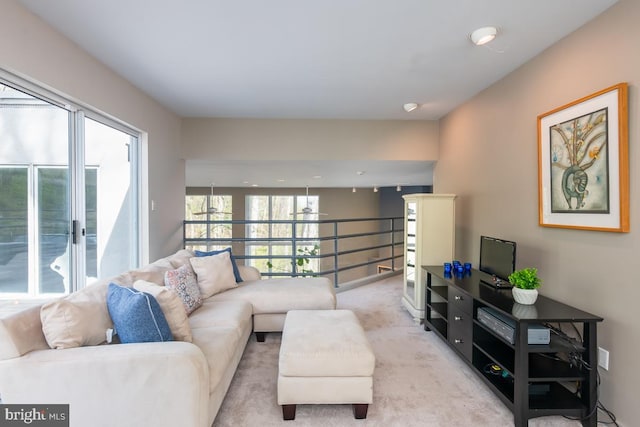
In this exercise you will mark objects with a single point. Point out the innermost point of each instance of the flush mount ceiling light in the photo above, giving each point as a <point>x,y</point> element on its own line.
<point>483,35</point>
<point>410,106</point>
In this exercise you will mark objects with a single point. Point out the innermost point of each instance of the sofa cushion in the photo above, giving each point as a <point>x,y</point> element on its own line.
<point>282,295</point>
<point>214,273</point>
<point>236,272</point>
<point>78,319</point>
<point>224,314</point>
<point>183,281</point>
<point>218,344</point>
<point>171,306</point>
<point>137,316</point>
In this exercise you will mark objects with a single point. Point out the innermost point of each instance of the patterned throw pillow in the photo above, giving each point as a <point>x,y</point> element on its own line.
<point>183,281</point>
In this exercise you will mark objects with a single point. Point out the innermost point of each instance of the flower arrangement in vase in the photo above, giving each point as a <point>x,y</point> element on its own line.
<point>525,285</point>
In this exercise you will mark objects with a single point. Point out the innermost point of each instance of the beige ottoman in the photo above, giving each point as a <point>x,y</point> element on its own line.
<point>325,358</point>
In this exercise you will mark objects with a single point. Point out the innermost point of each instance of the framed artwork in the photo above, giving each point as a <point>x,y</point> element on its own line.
<point>583,165</point>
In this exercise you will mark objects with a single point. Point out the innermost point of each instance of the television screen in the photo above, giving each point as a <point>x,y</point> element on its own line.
<point>497,257</point>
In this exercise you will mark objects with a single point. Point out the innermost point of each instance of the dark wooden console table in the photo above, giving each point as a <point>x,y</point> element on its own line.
<point>558,378</point>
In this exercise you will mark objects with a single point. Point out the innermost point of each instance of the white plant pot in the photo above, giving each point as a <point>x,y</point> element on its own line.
<point>524,296</point>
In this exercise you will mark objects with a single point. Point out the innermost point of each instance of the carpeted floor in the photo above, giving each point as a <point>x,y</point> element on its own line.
<point>418,380</point>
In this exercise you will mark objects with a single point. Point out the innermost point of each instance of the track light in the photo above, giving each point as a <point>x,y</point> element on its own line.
<point>375,188</point>
<point>353,190</point>
<point>399,188</point>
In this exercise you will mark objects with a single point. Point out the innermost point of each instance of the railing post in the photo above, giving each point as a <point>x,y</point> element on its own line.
<point>393,245</point>
<point>294,248</point>
<point>335,254</point>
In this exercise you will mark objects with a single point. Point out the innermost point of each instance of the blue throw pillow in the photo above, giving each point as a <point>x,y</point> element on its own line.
<point>136,315</point>
<point>236,272</point>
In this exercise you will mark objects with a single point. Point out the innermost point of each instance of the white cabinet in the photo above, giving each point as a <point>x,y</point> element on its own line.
<point>429,224</point>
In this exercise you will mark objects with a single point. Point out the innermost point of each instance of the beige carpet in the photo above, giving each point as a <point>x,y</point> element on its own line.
<point>418,380</point>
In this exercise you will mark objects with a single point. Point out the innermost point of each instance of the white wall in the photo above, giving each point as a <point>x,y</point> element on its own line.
<point>269,139</point>
<point>488,156</point>
<point>34,50</point>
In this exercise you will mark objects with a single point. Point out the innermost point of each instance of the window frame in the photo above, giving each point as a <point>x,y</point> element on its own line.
<point>78,112</point>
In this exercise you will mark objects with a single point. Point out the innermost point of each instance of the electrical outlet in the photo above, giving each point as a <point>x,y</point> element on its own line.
<point>603,358</point>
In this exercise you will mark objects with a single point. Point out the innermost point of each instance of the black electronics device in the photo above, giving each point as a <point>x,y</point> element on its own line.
<point>505,327</point>
<point>498,259</point>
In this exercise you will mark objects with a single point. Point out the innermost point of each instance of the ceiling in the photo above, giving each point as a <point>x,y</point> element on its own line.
<point>333,59</point>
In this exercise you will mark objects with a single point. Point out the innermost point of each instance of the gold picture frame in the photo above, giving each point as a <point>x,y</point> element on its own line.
<point>583,163</point>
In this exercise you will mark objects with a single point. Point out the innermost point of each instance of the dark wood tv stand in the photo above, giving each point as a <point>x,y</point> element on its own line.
<point>533,380</point>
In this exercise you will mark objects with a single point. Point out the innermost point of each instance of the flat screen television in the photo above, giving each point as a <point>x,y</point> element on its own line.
<point>497,258</point>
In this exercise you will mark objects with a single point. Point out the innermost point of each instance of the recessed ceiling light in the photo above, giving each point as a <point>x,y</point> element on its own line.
<point>254,185</point>
<point>360,172</point>
<point>483,35</point>
<point>280,180</point>
<point>410,106</point>
<point>317,177</point>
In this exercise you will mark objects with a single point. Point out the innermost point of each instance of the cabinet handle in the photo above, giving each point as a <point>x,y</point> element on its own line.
<point>457,318</point>
<point>457,298</point>
<point>458,341</point>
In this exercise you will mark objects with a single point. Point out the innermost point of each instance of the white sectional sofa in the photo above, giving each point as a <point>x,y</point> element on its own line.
<point>175,383</point>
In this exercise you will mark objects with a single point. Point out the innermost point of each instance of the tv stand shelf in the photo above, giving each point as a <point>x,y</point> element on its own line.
<point>533,380</point>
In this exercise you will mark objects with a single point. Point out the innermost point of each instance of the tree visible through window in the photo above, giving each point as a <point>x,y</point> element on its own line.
<point>280,235</point>
<point>209,208</point>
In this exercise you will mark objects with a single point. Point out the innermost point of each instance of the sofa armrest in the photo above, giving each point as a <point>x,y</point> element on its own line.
<point>249,273</point>
<point>158,384</point>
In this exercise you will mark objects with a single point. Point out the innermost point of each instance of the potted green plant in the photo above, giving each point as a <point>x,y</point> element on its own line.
<point>525,285</point>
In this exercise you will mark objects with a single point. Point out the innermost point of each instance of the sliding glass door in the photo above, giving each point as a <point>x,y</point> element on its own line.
<point>68,211</point>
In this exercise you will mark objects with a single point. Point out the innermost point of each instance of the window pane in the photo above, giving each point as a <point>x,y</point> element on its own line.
<point>53,230</point>
<point>209,208</point>
<point>91,212</point>
<point>283,208</point>
<point>35,135</point>
<point>111,211</point>
<point>14,263</point>
<point>257,210</point>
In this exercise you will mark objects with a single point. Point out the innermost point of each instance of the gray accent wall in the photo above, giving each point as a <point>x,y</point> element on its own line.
<point>489,158</point>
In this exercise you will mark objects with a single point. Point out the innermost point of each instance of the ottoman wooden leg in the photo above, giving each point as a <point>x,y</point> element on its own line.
<point>360,410</point>
<point>260,336</point>
<point>289,412</point>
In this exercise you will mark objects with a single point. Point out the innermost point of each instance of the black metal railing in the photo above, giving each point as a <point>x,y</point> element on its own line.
<point>338,246</point>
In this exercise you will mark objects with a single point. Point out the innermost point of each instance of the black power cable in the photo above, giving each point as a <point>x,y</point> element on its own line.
<point>575,359</point>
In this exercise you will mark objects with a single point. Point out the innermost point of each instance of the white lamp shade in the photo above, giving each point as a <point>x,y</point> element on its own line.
<point>483,35</point>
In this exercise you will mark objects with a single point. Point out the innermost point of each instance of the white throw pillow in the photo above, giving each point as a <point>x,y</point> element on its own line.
<point>172,308</point>
<point>214,273</point>
<point>78,319</point>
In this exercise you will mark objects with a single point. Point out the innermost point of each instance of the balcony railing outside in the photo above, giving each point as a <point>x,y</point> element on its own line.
<point>389,246</point>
